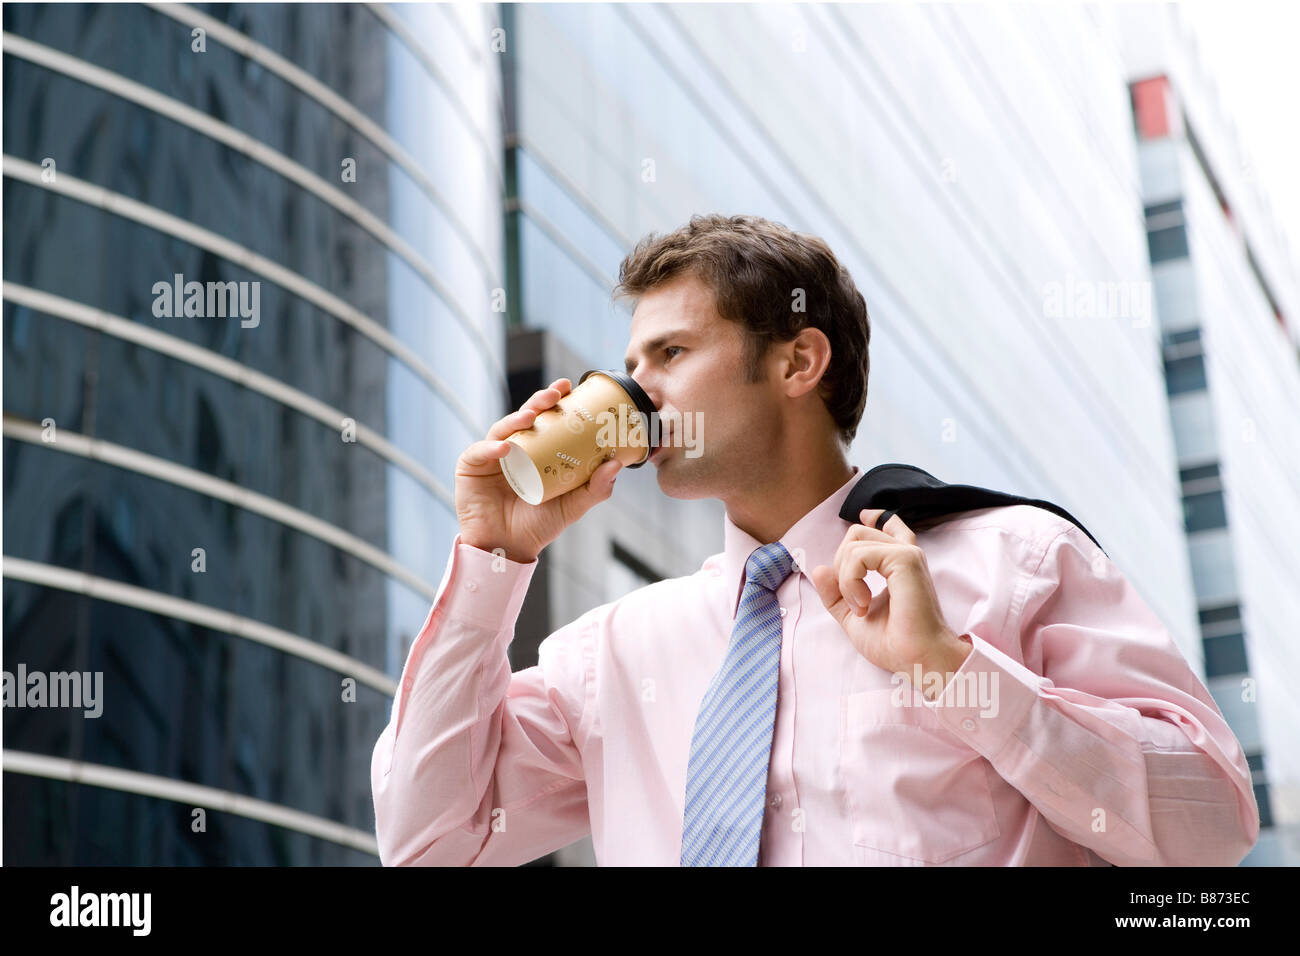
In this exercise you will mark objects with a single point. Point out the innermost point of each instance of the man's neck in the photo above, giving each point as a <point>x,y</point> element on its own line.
<point>768,511</point>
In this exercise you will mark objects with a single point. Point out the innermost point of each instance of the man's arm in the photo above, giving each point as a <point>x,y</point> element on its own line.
<point>1107,731</point>
<point>478,766</point>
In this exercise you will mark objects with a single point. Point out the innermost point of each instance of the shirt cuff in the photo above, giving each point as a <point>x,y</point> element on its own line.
<point>483,588</point>
<point>988,698</point>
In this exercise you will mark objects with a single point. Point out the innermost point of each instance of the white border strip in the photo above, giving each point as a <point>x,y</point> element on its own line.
<point>128,208</point>
<point>227,368</point>
<point>296,76</point>
<point>204,615</point>
<point>129,459</point>
<point>256,150</point>
<point>191,794</point>
<point>412,42</point>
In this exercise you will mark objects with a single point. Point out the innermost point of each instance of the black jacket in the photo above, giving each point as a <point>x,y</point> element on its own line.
<point>917,496</point>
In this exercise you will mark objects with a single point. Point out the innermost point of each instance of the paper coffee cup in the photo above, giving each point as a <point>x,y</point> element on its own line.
<point>606,415</point>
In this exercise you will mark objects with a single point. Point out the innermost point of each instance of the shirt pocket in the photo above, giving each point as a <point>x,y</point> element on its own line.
<point>913,789</point>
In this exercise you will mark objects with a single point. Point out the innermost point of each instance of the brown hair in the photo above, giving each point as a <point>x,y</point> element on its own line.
<point>754,268</point>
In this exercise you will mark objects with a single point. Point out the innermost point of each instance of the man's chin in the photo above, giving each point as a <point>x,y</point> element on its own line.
<point>677,479</point>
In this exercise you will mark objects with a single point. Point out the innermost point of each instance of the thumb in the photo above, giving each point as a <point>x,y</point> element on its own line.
<point>828,589</point>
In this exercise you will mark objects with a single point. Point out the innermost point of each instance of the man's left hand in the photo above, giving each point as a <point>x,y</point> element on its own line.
<point>903,625</point>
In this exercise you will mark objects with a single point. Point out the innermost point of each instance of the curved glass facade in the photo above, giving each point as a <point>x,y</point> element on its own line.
<point>333,169</point>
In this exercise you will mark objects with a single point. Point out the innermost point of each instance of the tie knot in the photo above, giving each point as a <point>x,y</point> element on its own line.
<point>769,565</point>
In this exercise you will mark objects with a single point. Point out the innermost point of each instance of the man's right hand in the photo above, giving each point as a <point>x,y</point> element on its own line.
<point>492,516</point>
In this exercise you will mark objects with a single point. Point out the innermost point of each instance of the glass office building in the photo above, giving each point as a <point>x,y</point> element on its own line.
<point>233,503</point>
<point>1229,303</point>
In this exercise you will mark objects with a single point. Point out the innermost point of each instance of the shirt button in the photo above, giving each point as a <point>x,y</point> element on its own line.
<point>775,802</point>
<point>471,586</point>
<point>968,724</point>
<point>783,612</point>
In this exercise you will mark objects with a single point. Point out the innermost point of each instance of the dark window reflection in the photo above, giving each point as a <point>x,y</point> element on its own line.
<point>56,823</point>
<point>1205,511</point>
<point>1164,244</point>
<point>183,701</point>
<point>252,566</point>
<point>180,700</point>
<point>295,343</point>
<point>1225,654</point>
<point>246,202</point>
<point>1221,614</point>
<point>1265,807</point>
<point>44,368</point>
<point>1185,374</point>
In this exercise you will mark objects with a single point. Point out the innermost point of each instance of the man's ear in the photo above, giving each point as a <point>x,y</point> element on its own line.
<point>810,356</point>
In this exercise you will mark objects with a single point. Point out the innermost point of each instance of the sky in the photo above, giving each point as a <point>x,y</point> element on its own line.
<point>1251,49</point>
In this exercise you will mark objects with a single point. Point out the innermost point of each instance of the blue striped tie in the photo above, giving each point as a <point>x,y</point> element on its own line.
<point>726,777</point>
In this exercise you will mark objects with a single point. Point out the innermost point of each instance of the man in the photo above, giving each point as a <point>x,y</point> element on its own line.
<point>1001,695</point>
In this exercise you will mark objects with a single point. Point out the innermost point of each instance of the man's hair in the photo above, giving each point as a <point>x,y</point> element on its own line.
<point>756,270</point>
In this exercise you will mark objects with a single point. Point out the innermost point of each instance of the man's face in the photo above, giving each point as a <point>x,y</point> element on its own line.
<point>691,362</point>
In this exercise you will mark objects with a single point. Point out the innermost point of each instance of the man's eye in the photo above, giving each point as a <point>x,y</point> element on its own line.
<point>671,348</point>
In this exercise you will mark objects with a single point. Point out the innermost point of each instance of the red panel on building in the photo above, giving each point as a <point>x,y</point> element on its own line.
<point>1151,106</point>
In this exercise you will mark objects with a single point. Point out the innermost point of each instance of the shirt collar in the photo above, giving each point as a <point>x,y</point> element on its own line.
<point>811,541</point>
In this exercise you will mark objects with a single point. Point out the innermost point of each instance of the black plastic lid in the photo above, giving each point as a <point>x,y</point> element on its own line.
<point>642,400</point>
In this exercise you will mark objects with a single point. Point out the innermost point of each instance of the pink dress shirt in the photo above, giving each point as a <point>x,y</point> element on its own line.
<point>1103,747</point>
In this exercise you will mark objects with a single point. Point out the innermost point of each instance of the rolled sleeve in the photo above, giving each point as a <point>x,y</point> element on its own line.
<point>1101,723</point>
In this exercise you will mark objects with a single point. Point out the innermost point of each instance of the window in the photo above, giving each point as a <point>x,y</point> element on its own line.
<point>22,322</point>
<point>1255,762</point>
<point>1199,472</point>
<point>1182,337</point>
<point>1165,209</point>
<point>1185,375</point>
<point>1225,654</point>
<point>1222,614</point>
<point>1265,811</point>
<point>1204,512</point>
<point>1223,639</point>
<point>1165,244</point>
<point>1184,361</point>
<point>1203,505</point>
<point>1166,231</point>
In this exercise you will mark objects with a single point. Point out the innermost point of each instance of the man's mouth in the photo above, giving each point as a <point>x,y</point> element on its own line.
<point>665,440</point>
